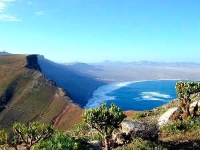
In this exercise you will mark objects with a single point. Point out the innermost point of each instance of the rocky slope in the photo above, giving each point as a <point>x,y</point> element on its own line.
<point>28,95</point>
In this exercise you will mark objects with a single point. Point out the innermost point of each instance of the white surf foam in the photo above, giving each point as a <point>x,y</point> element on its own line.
<point>153,96</point>
<point>122,84</point>
<point>150,98</point>
<point>100,96</point>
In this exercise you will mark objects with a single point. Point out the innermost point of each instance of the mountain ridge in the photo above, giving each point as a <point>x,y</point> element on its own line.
<point>28,95</point>
<point>110,72</point>
<point>4,53</point>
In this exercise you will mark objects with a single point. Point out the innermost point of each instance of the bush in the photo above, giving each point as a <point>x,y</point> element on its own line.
<point>181,126</point>
<point>61,141</point>
<point>104,120</point>
<point>141,144</point>
<point>26,134</point>
<point>81,130</point>
<point>96,136</point>
<point>141,114</point>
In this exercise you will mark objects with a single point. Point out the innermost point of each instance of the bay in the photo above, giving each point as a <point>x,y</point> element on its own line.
<point>135,95</point>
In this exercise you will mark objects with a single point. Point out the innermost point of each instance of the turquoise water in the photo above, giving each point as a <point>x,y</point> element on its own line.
<point>136,95</point>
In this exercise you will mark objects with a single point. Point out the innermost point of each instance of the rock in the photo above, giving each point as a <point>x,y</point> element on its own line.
<point>96,145</point>
<point>32,62</point>
<point>117,137</point>
<point>165,118</point>
<point>139,129</point>
<point>193,108</point>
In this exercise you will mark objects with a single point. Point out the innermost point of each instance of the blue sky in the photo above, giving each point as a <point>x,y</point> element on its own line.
<point>97,30</point>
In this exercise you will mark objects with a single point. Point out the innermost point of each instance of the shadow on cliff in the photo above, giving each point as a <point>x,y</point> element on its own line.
<point>80,86</point>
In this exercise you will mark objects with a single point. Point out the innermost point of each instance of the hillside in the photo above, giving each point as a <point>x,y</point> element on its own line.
<point>79,85</point>
<point>28,95</point>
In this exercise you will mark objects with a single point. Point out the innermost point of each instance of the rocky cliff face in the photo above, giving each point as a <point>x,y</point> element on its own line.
<point>28,95</point>
<point>32,62</point>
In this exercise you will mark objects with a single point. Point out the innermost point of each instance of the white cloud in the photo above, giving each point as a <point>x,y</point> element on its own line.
<point>2,6</point>
<point>6,17</point>
<point>4,3</point>
<point>3,16</point>
<point>7,0</point>
<point>39,13</point>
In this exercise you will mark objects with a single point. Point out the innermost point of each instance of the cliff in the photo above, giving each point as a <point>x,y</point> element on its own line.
<point>79,85</point>
<point>28,95</point>
<point>32,62</point>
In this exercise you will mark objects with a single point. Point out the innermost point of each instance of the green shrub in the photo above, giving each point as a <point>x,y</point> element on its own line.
<point>104,120</point>
<point>80,130</point>
<point>162,110</point>
<point>141,114</point>
<point>61,141</point>
<point>182,126</point>
<point>184,91</point>
<point>175,127</point>
<point>96,136</point>
<point>141,144</point>
<point>26,134</point>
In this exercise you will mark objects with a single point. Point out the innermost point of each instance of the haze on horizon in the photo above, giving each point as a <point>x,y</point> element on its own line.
<point>94,31</point>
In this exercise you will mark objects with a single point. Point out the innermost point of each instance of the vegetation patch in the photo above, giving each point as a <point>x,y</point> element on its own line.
<point>179,129</point>
<point>104,120</point>
<point>142,114</point>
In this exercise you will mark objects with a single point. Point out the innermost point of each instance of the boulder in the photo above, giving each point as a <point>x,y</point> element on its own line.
<point>193,108</point>
<point>165,118</point>
<point>96,145</point>
<point>117,137</point>
<point>139,129</point>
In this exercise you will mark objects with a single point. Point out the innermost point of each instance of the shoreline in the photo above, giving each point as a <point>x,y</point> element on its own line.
<point>96,100</point>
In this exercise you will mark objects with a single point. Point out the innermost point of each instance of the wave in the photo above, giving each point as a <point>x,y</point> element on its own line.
<point>122,84</point>
<point>153,96</point>
<point>100,96</point>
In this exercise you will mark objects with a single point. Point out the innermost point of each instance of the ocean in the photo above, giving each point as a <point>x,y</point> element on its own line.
<point>135,95</point>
